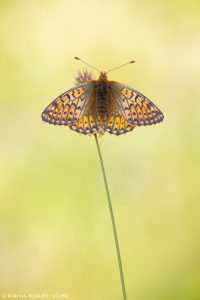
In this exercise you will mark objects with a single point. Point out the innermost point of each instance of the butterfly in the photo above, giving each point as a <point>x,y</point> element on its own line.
<point>98,106</point>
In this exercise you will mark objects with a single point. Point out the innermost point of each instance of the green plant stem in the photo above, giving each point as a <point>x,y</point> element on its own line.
<point>113,221</point>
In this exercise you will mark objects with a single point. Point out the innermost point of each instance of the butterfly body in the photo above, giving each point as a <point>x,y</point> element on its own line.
<point>102,105</point>
<point>103,99</point>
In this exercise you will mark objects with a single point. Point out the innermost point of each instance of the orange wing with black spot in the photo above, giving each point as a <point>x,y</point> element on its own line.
<point>117,124</point>
<point>69,107</point>
<point>89,125</point>
<point>86,125</point>
<point>135,107</point>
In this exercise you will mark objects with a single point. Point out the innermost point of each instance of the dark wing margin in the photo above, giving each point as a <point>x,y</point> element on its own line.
<point>135,107</point>
<point>69,107</point>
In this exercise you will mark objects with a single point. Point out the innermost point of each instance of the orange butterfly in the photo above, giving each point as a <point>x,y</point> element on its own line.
<point>102,105</point>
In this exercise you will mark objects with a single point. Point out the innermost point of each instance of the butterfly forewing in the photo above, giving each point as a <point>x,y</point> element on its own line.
<point>135,107</point>
<point>69,107</point>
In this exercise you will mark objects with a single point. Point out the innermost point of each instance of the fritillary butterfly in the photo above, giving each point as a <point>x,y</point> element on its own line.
<point>98,106</point>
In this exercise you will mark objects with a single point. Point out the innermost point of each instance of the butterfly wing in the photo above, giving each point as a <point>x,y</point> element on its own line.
<point>86,125</point>
<point>135,107</point>
<point>69,107</point>
<point>117,124</point>
<point>89,125</point>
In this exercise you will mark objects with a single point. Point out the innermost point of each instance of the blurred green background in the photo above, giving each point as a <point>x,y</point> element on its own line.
<point>55,228</point>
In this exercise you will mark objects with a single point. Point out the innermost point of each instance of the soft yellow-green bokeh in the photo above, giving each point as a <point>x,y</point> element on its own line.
<point>55,228</point>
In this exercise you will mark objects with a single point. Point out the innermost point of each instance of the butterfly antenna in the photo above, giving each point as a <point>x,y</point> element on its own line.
<point>87,64</point>
<point>130,62</point>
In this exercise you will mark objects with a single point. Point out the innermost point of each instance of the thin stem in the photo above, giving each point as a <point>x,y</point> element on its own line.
<point>113,221</point>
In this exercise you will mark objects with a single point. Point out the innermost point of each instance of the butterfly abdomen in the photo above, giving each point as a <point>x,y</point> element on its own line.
<point>102,102</point>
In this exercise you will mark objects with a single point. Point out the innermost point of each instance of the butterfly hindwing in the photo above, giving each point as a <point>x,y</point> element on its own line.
<point>117,124</point>
<point>86,125</point>
<point>69,107</point>
<point>135,107</point>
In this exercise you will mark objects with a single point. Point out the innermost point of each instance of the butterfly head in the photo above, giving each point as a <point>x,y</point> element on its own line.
<point>103,76</point>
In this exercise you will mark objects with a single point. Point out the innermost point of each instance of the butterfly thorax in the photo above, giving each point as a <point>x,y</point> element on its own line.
<point>103,99</point>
